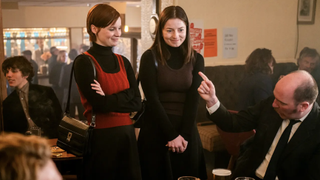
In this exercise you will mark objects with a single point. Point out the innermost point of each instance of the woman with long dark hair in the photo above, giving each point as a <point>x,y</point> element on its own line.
<point>169,143</point>
<point>257,83</point>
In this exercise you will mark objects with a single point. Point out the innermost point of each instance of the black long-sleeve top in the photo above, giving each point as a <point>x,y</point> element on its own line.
<point>148,76</point>
<point>125,101</point>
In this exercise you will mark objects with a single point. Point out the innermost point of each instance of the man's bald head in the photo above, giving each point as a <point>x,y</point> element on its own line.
<point>300,85</point>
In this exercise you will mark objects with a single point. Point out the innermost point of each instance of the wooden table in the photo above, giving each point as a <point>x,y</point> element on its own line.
<point>67,164</point>
<point>64,155</point>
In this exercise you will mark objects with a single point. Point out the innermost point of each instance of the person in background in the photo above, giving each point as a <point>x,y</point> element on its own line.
<point>28,55</point>
<point>308,60</point>
<point>39,52</point>
<point>257,83</point>
<point>84,48</point>
<point>169,142</point>
<point>112,96</point>
<point>53,59</point>
<point>54,74</point>
<point>286,143</point>
<point>29,105</point>
<point>75,100</point>
<point>26,158</point>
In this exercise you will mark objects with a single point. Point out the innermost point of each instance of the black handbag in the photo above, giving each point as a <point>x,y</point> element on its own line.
<point>74,136</point>
<point>137,117</point>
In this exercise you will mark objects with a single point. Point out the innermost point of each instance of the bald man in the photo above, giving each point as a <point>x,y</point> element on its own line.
<point>293,100</point>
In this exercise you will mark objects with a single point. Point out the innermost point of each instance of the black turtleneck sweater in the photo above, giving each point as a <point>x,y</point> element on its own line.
<point>128,100</point>
<point>149,76</point>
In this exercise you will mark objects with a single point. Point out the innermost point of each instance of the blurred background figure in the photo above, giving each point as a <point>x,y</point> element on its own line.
<point>54,74</point>
<point>83,48</point>
<point>257,83</point>
<point>26,158</point>
<point>39,52</point>
<point>53,59</point>
<point>75,100</point>
<point>28,55</point>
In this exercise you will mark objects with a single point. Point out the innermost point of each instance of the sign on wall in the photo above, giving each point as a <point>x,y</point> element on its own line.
<point>196,35</point>
<point>230,42</point>
<point>210,42</point>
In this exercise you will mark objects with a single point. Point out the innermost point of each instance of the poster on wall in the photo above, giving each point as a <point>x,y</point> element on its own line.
<point>210,42</point>
<point>196,35</point>
<point>230,42</point>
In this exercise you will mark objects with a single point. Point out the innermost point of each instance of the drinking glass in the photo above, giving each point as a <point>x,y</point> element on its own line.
<point>35,131</point>
<point>221,174</point>
<point>188,178</point>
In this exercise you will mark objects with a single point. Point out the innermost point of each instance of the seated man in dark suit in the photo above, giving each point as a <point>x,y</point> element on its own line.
<point>308,60</point>
<point>277,149</point>
<point>29,105</point>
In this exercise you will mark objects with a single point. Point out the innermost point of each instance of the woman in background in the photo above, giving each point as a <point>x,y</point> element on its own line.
<point>54,74</point>
<point>257,83</point>
<point>169,143</point>
<point>112,96</point>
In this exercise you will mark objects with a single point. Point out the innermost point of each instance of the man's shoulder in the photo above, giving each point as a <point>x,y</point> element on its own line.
<point>37,87</point>
<point>13,95</point>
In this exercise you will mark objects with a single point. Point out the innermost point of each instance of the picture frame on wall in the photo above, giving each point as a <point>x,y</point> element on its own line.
<point>306,11</point>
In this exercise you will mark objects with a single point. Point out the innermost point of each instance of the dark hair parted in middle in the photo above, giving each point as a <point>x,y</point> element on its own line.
<point>101,16</point>
<point>18,62</point>
<point>259,60</point>
<point>162,53</point>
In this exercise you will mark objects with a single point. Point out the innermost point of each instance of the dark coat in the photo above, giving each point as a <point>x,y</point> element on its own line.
<point>54,78</point>
<point>253,88</point>
<point>44,110</point>
<point>64,83</point>
<point>35,71</point>
<point>301,158</point>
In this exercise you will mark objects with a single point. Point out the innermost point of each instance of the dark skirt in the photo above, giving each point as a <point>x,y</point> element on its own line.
<point>114,155</point>
<point>157,162</point>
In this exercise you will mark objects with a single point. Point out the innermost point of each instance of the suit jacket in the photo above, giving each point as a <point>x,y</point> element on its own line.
<point>301,158</point>
<point>44,110</point>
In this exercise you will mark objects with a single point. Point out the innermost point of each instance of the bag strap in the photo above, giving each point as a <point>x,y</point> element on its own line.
<point>67,110</point>
<point>154,58</point>
<point>155,63</point>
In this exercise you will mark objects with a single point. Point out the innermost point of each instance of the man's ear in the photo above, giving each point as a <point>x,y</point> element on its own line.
<point>26,76</point>
<point>303,106</point>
